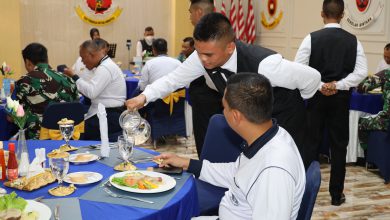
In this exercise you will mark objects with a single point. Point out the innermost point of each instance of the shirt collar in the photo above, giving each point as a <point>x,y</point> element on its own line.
<point>231,64</point>
<point>250,151</point>
<point>332,25</point>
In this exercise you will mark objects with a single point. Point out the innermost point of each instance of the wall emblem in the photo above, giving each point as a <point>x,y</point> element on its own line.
<point>98,12</point>
<point>274,15</point>
<point>361,13</point>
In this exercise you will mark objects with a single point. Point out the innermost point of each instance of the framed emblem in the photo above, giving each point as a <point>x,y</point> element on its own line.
<point>272,5</point>
<point>98,12</point>
<point>363,5</point>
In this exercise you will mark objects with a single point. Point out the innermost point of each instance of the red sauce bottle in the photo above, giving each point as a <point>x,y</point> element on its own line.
<point>12,168</point>
<point>2,162</point>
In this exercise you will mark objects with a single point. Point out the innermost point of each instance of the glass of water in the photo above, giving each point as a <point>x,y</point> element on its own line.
<point>125,147</point>
<point>59,166</point>
<point>67,132</point>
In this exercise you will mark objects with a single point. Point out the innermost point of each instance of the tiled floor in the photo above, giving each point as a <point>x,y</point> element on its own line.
<point>367,195</point>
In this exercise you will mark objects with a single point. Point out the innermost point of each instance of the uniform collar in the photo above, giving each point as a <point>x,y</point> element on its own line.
<point>231,64</point>
<point>250,151</point>
<point>332,25</point>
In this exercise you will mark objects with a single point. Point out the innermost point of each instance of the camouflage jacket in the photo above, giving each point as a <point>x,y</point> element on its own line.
<point>40,88</point>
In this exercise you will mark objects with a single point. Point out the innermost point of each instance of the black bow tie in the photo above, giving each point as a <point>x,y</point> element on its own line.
<point>219,76</point>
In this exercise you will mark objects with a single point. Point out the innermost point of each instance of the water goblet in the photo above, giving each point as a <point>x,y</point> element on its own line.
<point>59,166</point>
<point>67,132</point>
<point>125,147</point>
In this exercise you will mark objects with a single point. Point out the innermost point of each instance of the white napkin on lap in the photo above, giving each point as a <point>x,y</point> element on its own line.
<point>102,115</point>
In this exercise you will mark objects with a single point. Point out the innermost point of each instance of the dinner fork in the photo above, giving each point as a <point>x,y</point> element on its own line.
<point>57,212</point>
<point>112,194</point>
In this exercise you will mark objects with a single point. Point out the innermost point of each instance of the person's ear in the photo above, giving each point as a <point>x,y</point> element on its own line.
<point>230,47</point>
<point>237,116</point>
<point>322,14</point>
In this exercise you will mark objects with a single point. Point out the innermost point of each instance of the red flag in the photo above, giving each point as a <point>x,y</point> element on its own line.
<point>232,16</point>
<point>241,22</point>
<point>223,8</point>
<point>250,24</point>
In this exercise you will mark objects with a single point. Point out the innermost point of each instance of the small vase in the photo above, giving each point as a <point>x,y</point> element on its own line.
<point>22,153</point>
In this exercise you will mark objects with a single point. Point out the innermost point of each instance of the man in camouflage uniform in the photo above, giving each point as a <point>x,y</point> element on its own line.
<point>41,86</point>
<point>381,120</point>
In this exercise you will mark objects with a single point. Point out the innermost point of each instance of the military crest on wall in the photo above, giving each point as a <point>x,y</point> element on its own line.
<point>362,13</point>
<point>271,17</point>
<point>98,12</point>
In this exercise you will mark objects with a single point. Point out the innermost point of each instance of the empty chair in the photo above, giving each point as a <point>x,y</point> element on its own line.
<point>221,144</point>
<point>57,111</point>
<point>313,182</point>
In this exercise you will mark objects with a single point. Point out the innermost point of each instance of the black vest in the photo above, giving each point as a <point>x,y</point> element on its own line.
<point>146,47</point>
<point>288,108</point>
<point>333,53</point>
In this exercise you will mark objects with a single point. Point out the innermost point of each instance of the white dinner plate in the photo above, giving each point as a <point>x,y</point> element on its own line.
<point>91,177</point>
<point>167,182</point>
<point>42,209</point>
<point>73,158</point>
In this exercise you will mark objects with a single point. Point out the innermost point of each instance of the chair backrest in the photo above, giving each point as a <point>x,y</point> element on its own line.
<point>221,143</point>
<point>56,111</point>
<point>313,182</point>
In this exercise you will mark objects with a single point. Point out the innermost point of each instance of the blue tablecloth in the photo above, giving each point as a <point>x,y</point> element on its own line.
<point>131,86</point>
<point>370,103</point>
<point>183,205</point>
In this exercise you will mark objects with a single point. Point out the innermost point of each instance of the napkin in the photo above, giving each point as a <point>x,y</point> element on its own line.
<point>36,166</point>
<point>102,115</point>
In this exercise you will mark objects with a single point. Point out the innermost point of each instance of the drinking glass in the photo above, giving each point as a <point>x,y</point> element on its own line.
<point>125,146</point>
<point>59,166</point>
<point>67,132</point>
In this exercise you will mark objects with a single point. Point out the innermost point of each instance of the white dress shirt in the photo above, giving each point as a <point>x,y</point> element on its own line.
<point>382,65</point>
<point>107,86</point>
<point>156,68</point>
<point>139,49</point>
<point>82,71</point>
<point>353,79</point>
<point>280,72</point>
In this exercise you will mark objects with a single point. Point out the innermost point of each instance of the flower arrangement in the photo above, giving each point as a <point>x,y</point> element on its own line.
<point>5,70</point>
<point>16,111</point>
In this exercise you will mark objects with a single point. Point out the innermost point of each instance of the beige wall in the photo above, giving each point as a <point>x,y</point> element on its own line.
<point>10,43</point>
<point>181,23</point>
<point>56,25</point>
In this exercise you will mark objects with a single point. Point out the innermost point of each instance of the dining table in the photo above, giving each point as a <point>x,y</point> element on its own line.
<point>91,201</point>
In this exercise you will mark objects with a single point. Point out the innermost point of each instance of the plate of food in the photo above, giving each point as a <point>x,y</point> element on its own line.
<point>83,178</point>
<point>14,207</point>
<point>142,181</point>
<point>83,158</point>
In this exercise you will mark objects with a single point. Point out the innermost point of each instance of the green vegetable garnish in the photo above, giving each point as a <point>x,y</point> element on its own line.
<point>12,201</point>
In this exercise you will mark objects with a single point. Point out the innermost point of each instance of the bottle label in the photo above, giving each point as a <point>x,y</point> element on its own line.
<point>12,174</point>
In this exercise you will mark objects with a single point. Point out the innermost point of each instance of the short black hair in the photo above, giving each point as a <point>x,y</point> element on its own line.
<point>149,28</point>
<point>252,95</point>
<point>36,53</point>
<point>387,47</point>
<point>160,45</point>
<point>189,40</point>
<point>92,31</point>
<point>333,8</point>
<point>206,5</point>
<point>214,26</point>
<point>94,45</point>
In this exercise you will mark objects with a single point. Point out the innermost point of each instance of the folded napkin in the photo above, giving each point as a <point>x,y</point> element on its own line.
<point>37,165</point>
<point>102,115</point>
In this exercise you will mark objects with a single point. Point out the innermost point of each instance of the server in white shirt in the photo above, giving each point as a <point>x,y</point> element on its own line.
<point>267,180</point>
<point>159,66</point>
<point>107,86</point>
<point>218,56</point>
<point>340,59</point>
<point>385,62</point>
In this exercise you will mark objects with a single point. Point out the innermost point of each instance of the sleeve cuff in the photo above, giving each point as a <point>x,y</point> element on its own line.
<point>195,167</point>
<point>75,77</point>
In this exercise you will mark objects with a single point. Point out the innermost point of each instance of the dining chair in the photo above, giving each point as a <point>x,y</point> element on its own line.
<point>313,182</point>
<point>378,151</point>
<point>57,111</point>
<point>165,120</point>
<point>221,145</point>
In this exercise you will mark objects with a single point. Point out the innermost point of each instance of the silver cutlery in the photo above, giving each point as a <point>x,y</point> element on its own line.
<point>57,212</point>
<point>139,160</point>
<point>39,199</point>
<point>112,194</point>
<point>97,146</point>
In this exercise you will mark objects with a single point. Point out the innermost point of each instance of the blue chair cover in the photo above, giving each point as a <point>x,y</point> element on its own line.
<point>378,151</point>
<point>162,122</point>
<point>313,182</point>
<point>221,144</point>
<point>56,111</point>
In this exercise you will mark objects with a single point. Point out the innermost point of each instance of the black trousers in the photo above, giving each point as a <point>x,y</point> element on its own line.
<point>331,112</point>
<point>92,129</point>
<point>205,103</point>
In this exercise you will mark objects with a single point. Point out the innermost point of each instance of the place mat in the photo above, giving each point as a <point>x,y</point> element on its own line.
<point>69,207</point>
<point>97,194</point>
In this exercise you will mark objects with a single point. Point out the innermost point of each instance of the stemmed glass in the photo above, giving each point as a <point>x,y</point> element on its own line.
<point>125,146</point>
<point>67,132</point>
<point>59,165</point>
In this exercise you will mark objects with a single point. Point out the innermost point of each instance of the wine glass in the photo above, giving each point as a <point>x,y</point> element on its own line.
<point>59,165</point>
<point>125,146</point>
<point>67,132</point>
